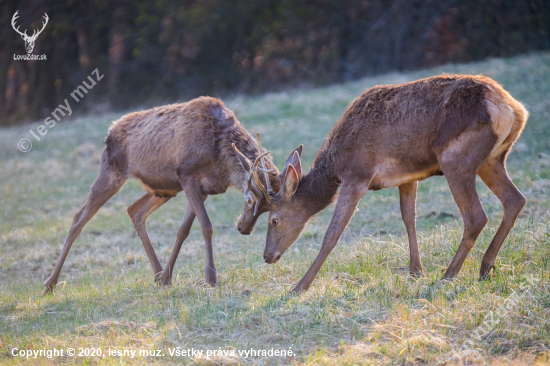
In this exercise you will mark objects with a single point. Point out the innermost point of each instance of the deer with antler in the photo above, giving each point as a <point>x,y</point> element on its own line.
<point>395,136</point>
<point>180,147</point>
<point>29,40</point>
<point>257,197</point>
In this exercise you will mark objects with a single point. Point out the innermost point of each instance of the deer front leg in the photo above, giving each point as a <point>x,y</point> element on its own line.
<point>407,196</point>
<point>183,233</point>
<point>195,198</point>
<point>350,195</point>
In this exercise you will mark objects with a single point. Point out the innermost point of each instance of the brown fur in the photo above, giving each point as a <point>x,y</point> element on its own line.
<point>396,135</point>
<point>160,145</point>
<point>177,147</point>
<point>424,116</point>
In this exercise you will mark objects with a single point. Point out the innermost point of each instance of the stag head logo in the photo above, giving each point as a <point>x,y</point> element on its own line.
<point>29,40</point>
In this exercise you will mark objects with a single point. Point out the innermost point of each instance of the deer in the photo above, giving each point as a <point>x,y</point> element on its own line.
<point>458,126</point>
<point>179,147</point>
<point>29,40</point>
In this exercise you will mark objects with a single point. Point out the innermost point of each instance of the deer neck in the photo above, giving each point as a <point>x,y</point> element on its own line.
<point>318,188</point>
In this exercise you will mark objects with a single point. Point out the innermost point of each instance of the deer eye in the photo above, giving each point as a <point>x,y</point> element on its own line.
<point>275,222</point>
<point>248,200</point>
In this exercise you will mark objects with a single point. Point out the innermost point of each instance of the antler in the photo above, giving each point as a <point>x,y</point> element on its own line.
<point>254,169</point>
<point>37,32</point>
<point>24,34</point>
<point>266,176</point>
<point>257,178</point>
<point>15,16</point>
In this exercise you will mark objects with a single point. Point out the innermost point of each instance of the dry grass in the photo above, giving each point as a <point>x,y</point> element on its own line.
<point>362,309</point>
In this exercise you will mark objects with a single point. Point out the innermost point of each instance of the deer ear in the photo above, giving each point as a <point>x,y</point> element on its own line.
<point>291,182</point>
<point>294,159</point>
<point>242,159</point>
<point>299,150</point>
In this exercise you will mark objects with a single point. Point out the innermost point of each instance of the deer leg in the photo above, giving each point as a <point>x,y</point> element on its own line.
<point>494,175</point>
<point>407,196</point>
<point>350,195</point>
<point>464,192</point>
<point>459,162</point>
<point>106,185</point>
<point>196,201</point>
<point>138,212</point>
<point>183,233</point>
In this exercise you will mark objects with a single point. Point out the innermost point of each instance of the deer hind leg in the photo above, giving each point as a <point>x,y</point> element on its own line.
<point>138,212</point>
<point>183,233</point>
<point>465,194</point>
<point>196,201</point>
<point>494,175</point>
<point>407,196</point>
<point>460,162</point>
<point>106,185</point>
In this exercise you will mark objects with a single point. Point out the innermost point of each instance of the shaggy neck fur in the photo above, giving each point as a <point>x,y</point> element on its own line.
<point>230,131</point>
<point>319,187</point>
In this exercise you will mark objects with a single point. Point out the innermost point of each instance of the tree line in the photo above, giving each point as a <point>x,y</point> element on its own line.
<point>171,51</point>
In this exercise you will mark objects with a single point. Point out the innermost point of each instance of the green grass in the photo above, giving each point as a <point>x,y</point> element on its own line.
<point>363,308</point>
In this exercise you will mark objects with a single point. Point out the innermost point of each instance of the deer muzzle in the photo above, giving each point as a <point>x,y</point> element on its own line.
<point>271,258</point>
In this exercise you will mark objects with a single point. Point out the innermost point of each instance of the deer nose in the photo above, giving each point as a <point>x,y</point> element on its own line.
<point>273,258</point>
<point>244,231</point>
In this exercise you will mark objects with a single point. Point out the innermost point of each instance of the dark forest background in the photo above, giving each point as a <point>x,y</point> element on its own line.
<point>168,51</point>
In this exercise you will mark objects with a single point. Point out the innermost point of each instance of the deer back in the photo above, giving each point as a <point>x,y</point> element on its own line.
<point>404,126</point>
<point>161,145</point>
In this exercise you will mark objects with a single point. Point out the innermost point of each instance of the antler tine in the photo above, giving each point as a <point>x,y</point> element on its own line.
<point>265,171</point>
<point>259,158</point>
<point>44,23</point>
<point>254,171</point>
<point>242,155</point>
<point>258,141</point>
<point>36,31</point>
<point>13,19</point>
<point>257,179</point>
<point>260,185</point>
<point>266,175</point>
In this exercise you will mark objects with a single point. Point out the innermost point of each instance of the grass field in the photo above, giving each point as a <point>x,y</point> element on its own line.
<point>363,308</point>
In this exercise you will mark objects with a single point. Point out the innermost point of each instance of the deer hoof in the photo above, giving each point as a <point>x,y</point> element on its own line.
<point>50,286</point>
<point>448,277</point>
<point>210,276</point>
<point>416,274</point>
<point>165,280</point>
<point>158,276</point>
<point>299,288</point>
<point>486,271</point>
<point>49,290</point>
<point>212,282</point>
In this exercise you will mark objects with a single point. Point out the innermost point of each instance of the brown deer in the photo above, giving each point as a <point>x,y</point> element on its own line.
<point>257,197</point>
<point>397,135</point>
<point>187,147</point>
